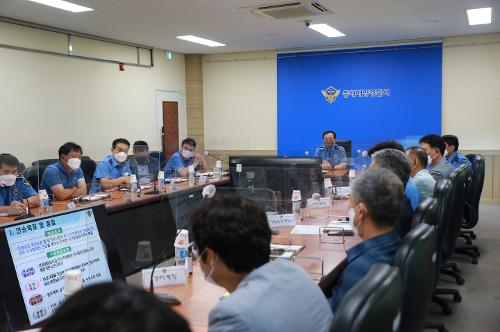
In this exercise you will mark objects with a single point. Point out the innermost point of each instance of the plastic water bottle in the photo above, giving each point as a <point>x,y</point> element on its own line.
<point>218,169</point>
<point>133,186</point>
<point>172,184</point>
<point>191,175</point>
<point>45,206</point>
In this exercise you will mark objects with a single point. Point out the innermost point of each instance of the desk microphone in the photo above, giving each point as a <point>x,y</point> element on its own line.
<point>205,153</point>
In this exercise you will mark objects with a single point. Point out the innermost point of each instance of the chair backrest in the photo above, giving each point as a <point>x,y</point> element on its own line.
<point>31,174</point>
<point>416,259</point>
<point>347,145</point>
<point>44,162</point>
<point>478,169</point>
<point>457,178</point>
<point>157,155</point>
<point>426,212</point>
<point>373,304</point>
<point>404,221</point>
<point>88,167</point>
<point>444,194</point>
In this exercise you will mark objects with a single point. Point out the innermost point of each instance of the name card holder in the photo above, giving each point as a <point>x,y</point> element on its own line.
<point>325,231</point>
<point>315,275</point>
<point>323,202</point>
<point>281,220</point>
<point>166,276</point>
<point>343,191</point>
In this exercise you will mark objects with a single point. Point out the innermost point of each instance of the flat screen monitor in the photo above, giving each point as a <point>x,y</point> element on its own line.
<point>143,233</point>
<point>280,174</point>
<point>37,252</point>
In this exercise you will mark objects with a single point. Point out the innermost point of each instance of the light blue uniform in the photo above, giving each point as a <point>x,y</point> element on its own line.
<point>413,194</point>
<point>335,155</point>
<point>56,174</point>
<point>176,162</point>
<point>456,159</point>
<point>20,190</point>
<point>110,169</point>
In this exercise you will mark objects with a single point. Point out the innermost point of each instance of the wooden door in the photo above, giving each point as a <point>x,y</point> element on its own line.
<point>170,130</point>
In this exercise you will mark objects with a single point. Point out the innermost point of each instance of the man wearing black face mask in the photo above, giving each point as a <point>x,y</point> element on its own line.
<point>142,165</point>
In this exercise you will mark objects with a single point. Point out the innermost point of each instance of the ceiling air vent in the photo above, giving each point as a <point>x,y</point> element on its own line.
<point>297,9</point>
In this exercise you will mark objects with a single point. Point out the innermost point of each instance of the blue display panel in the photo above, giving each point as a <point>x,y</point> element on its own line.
<point>364,95</point>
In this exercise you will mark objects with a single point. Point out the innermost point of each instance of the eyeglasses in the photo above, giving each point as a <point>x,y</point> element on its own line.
<point>196,253</point>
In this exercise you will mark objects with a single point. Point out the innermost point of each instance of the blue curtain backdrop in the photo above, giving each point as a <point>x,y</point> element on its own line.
<point>364,95</point>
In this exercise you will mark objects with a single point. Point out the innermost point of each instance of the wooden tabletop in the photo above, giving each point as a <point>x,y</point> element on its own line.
<point>198,296</point>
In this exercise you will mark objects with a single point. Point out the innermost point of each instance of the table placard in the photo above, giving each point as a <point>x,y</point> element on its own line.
<point>281,220</point>
<point>165,276</point>
<point>323,202</point>
<point>343,191</point>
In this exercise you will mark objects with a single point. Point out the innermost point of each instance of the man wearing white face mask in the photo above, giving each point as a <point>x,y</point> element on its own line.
<point>434,146</point>
<point>233,238</point>
<point>113,170</point>
<point>375,203</point>
<point>180,161</point>
<point>65,178</point>
<point>16,193</point>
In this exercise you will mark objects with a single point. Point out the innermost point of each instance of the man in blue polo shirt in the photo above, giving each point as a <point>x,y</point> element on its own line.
<point>333,155</point>
<point>65,178</point>
<point>179,162</point>
<point>16,193</point>
<point>375,203</point>
<point>451,153</point>
<point>113,170</point>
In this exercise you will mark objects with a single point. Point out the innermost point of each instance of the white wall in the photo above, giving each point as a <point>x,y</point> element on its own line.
<point>471,90</point>
<point>241,108</point>
<point>239,95</point>
<point>48,100</point>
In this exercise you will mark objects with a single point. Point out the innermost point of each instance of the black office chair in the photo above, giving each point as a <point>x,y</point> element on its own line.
<point>44,162</point>
<point>31,174</point>
<point>157,155</point>
<point>373,304</point>
<point>404,221</point>
<point>88,167</point>
<point>478,170</point>
<point>443,192</point>
<point>347,145</point>
<point>426,213</point>
<point>416,260</point>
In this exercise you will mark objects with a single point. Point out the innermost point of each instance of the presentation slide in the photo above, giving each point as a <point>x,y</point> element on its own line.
<point>43,250</point>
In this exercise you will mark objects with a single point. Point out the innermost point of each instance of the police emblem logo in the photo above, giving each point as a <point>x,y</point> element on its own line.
<point>15,192</point>
<point>330,94</point>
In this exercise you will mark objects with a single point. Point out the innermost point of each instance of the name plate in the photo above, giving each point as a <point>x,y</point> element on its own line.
<point>165,276</point>
<point>323,202</point>
<point>343,191</point>
<point>281,220</point>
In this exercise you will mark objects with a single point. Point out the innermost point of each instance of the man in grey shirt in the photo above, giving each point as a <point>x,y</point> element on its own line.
<point>421,177</point>
<point>232,239</point>
<point>434,147</point>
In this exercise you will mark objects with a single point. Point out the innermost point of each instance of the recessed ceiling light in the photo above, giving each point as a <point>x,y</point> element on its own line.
<point>65,5</point>
<point>479,16</point>
<point>200,40</point>
<point>326,30</point>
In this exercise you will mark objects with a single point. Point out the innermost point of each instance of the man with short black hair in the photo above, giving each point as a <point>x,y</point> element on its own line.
<point>434,147</point>
<point>142,165</point>
<point>179,162</point>
<point>333,155</point>
<point>113,170</point>
<point>65,178</point>
<point>422,178</point>
<point>451,153</point>
<point>16,193</point>
<point>233,237</point>
<point>385,145</point>
<point>375,204</point>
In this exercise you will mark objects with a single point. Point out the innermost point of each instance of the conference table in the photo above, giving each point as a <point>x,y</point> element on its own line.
<point>199,296</point>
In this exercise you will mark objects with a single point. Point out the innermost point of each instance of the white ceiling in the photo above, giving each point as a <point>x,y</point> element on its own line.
<point>157,22</point>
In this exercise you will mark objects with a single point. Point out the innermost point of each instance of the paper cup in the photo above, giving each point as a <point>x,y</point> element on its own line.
<point>72,282</point>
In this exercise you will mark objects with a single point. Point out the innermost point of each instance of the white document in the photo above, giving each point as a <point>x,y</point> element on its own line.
<point>306,229</point>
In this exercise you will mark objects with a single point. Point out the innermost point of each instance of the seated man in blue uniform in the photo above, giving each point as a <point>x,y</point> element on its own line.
<point>113,170</point>
<point>438,166</point>
<point>65,178</point>
<point>375,203</point>
<point>232,238</point>
<point>451,153</point>
<point>333,155</point>
<point>142,165</point>
<point>179,162</point>
<point>16,193</point>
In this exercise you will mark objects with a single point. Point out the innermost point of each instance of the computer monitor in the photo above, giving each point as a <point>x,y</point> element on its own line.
<point>143,231</point>
<point>36,253</point>
<point>280,174</point>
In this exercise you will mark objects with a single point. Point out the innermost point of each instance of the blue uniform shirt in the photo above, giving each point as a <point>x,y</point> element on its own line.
<point>412,192</point>
<point>177,162</point>
<point>456,159</point>
<point>378,249</point>
<point>334,156</point>
<point>20,190</point>
<point>110,169</point>
<point>56,174</point>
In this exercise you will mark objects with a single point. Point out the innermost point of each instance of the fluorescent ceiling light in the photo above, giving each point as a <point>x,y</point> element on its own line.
<point>200,40</point>
<point>64,5</point>
<point>479,16</point>
<point>326,30</point>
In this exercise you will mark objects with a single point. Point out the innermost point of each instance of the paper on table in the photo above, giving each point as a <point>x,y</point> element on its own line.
<point>306,229</point>
<point>346,226</point>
